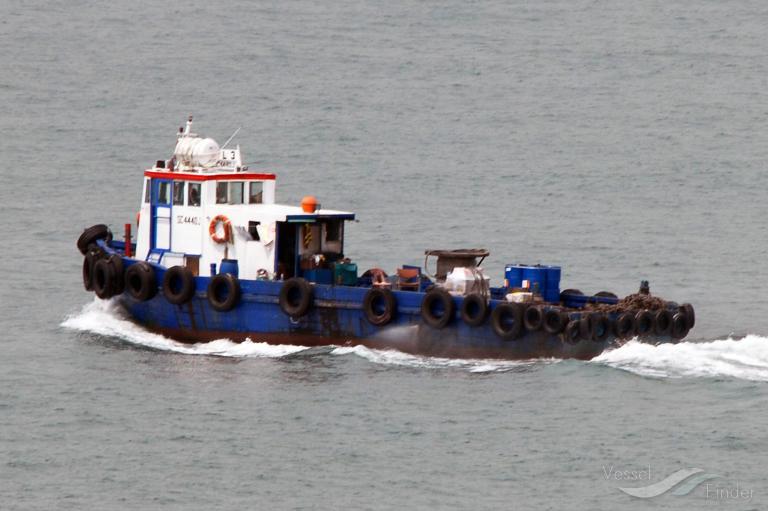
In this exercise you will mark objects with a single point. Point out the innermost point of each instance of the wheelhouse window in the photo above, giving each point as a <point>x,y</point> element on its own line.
<point>255,192</point>
<point>193,199</point>
<point>164,192</point>
<point>221,192</point>
<point>147,190</point>
<point>178,193</point>
<point>236,192</point>
<point>253,230</point>
<point>333,230</point>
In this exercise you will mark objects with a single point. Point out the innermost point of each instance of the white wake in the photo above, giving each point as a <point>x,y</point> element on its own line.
<point>398,358</point>
<point>105,318</point>
<point>745,359</point>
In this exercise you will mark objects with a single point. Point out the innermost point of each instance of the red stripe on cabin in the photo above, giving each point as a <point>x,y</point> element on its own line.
<point>236,176</point>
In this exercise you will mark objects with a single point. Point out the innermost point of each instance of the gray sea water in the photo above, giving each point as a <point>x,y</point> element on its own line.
<point>623,140</point>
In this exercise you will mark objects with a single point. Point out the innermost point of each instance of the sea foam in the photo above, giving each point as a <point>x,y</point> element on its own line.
<point>745,359</point>
<point>104,317</point>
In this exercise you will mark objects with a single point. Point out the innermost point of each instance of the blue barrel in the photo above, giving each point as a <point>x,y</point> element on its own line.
<point>536,276</point>
<point>229,266</point>
<point>552,290</point>
<point>513,274</point>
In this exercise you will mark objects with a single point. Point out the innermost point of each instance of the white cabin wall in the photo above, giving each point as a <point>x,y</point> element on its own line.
<point>268,192</point>
<point>251,255</point>
<point>257,256</point>
<point>188,226</point>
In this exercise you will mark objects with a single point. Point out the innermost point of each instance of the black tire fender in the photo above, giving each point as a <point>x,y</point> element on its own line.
<point>507,320</point>
<point>103,279</point>
<point>600,326</point>
<point>474,309</point>
<point>91,234</point>
<point>178,285</point>
<point>118,274</point>
<point>141,281</point>
<point>554,321</point>
<point>435,300</point>
<point>679,326</point>
<point>88,261</point>
<point>662,322</point>
<point>690,315</point>
<point>572,292</point>
<point>533,319</point>
<point>643,323</point>
<point>223,292</point>
<point>625,325</point>
<point>379,306</point>
<point>585,326</point>
<point>572,332</point>
<point>295,297</point>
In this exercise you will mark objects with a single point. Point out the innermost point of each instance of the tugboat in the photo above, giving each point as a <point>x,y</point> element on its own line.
<point>215,256</point>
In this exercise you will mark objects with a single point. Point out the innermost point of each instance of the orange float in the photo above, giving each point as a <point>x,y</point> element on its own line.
<point>227,237</point>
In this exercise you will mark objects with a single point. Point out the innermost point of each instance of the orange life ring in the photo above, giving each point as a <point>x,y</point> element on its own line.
<point>227,229</point>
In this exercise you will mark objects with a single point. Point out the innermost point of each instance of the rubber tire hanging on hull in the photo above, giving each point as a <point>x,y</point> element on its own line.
<point>595,326</point>
<point>662,322</point>
<point>431,315</point>
<point>533,318</point>
<point>690,315</point>
<point>379,306</point>
<point>103,279</point>
<point>178,285</point>
<point>625,326</point>
<point>507,320</point>
<point>118,275</point>
<point>141,281</point>
<point>295,297</point>
<point>474,310</point>
<point>91,234</point>
<point>224,292</point>
<point>601,328</point>
<point>643,323</point>
<point>554,321</point>
<point>88,261</point>
<point>679,326</point>
<point>572,332</point>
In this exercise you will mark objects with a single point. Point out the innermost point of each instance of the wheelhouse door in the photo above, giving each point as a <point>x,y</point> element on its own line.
<point>287,257</point>
<point>160,203</point>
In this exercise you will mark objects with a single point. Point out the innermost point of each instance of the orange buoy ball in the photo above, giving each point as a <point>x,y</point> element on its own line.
<point>309,204</point>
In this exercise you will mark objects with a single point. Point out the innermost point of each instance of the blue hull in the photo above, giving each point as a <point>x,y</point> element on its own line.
<point>337,318</point>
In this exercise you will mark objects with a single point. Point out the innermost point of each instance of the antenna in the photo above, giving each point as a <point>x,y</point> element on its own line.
<point>189,125</point>
<point>230,138</point>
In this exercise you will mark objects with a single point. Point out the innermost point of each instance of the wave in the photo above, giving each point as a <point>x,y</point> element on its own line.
<point>745,359</point>
<point>105,317</point>
<point>398,358</point>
